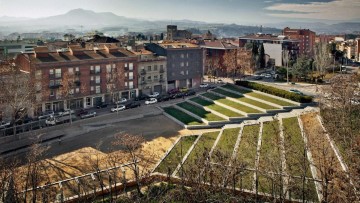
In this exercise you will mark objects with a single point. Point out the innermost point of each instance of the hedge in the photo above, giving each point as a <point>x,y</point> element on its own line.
<point>275,91</point>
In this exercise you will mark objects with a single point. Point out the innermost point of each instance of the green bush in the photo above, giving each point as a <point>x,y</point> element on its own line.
<point>275,91</point>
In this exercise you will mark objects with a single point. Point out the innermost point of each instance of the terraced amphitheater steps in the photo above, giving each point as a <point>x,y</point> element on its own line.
<point>285,103</point>
<point>182,118</point>
<point>208,109</point>
<point>191,114</point>
<point>250,97</point>
<point>216,92</point>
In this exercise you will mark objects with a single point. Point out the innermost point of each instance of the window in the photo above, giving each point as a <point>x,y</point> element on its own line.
<point>97,90</point>
<point>182,64</point>
<point>161,67</point>
<point>155,67</point>
<point>51,83</point>
<point>131,66</point>
<point>71,71</point>
<point>97,79</point>
<point>97,69</point>
<point>38,86</point>
<point>52,92</point>
<point>38,74</point>
<point>187,55</point>
<point>126,84</point>
<point>108,68</point>
<point>131,85</point>
<point>131,75</point>
<point>57,73</point>
<point>149,68</point>
<point>77,69</point>
<point>91,67</point>
<point>77,90</point>
<point>182,72</point>
<point>182,56</point>
<point>187,63</point>
<point>161,76</point>
<point>92,78</point>
<point>51,71</point>
<point>92,88</point>
<point>57,82</point>
<point>149,78</point>
<point>142,79</point>
<point>125,65</point>
<point>187,72</point>
<point>155,77</point>
<point>88,101</point>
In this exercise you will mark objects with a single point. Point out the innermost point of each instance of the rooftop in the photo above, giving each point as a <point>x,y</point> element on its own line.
<point>218,45</point>
<point>178,45</point>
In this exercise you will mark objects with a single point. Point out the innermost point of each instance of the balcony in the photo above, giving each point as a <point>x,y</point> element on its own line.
<point>77,73</point>
<point>162,70</point>
<point>126,68</point>
<point>77,83</point>
<point>143,82</point>
<point>161,80</point>
<point>143,72</point>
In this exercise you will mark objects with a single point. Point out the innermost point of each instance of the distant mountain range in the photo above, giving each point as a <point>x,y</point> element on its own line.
<point>111,24</point>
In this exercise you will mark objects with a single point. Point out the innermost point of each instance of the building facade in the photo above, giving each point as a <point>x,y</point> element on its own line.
<point>184,64</point>
<point>306,38</point>
<point>278,48</point>
<point>79,77</point>
<point>174,34</point>
<point>151,72</point>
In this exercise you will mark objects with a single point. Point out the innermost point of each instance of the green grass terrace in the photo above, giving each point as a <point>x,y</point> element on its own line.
<point>259,96</point>
<point>215,107</point>
<point>200,112</point>
<point>175,156</point>
<point>183,117</point>
<point>244,99</point>
<point>230,103</point>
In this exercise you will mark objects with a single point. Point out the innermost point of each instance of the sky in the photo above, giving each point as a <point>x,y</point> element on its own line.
<point>222,11</point>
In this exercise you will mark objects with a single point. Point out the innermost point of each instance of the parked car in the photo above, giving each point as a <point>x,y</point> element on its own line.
<point>51,120</point>
<point>151,101</point>
<point>81,112</point>
<point>88,115</point>
<point>155,94</point>
<point>258,78</point>
<point>46,115</point>
<point>163,98</point>
<point>204,85</point>
<point>190,93</point>
<point>262,74</point>
<point>268,76</point>
<point>118,108</point>
<point>184,89</point>
<point>296,91</point>
<point>141,97</point>
<point>173,91</point>
<point>121,101</point>
<point>220,81</point>
<point>65,112</point>
<point>102,105</point>
<point>132,105</point>
<point>4,124</point>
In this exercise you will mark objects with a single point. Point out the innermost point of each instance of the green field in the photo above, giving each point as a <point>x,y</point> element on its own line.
<point>225,147</point>
<point>270,160</point>
<point>171,161</point>
<point>244,99</point>
<point>183,117</point>
<point>297,163</point>
<point>200,151</point>
<point>200,112</point>
<point>232,104</point>
<point>270,99</point>
<point>213,106</point>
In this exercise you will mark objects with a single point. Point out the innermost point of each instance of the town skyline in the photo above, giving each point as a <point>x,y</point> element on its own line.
<point>239,12</point>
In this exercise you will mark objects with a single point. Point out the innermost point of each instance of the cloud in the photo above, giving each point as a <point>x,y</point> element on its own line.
<point>334,10</point>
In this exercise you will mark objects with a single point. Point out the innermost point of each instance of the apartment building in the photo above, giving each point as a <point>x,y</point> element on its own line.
<point>306,38</point>
<point>79,77</point>
<point>152,72</point>
<point>278,48</point>
<point>184,64</point>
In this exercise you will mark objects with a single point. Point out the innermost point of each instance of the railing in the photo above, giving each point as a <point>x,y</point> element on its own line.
<point>93,72</point>
<point>162,70</point>
<point>143,72</point>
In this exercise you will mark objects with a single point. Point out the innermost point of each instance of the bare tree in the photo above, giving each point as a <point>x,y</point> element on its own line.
<point>322,59</point>
<point>230,62</point>
<point>17,92</point>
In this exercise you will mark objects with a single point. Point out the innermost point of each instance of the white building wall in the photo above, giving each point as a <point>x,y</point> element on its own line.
<point>275,52</point>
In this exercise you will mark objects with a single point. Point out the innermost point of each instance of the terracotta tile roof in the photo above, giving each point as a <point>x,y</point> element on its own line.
<point>178,45</point>
<point>41,49</point>
<point>218,45</point>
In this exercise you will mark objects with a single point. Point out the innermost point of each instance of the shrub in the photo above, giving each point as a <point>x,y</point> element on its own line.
<point>275,91</point>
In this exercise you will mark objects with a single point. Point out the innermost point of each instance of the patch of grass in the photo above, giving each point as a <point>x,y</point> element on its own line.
<point>297,163</point>
<point>176,155</point>
<point>234,88</point>
<point>270,147</point>
<point>244,99</point>
<point>183,117</point>
<point>213,106</point>
<point>270,99</point>
<point>200,112</point>
<point>200,151</point>
<point>225,147</point>
<point>232,104</point>
<point>248,145</point>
